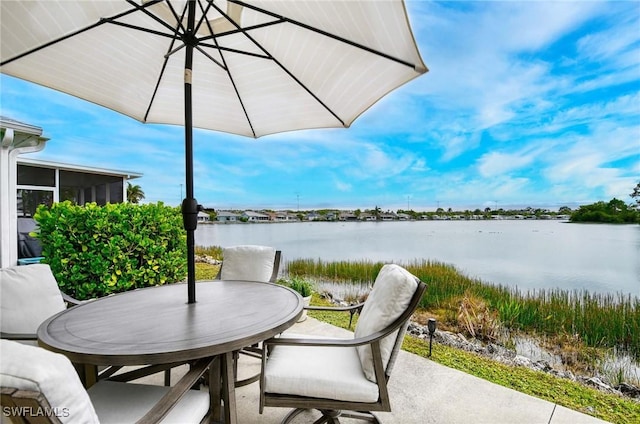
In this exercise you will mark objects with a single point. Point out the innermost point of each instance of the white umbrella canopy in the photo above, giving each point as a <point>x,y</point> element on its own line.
<point>251,68</point>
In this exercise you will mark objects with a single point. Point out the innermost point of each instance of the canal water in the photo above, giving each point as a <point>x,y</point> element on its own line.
<point>531,254</point>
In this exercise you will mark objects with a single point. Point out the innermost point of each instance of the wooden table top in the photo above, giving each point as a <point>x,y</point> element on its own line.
<point>157,326</point>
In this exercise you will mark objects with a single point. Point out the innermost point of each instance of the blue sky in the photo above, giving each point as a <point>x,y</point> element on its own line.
<point>526,104</point>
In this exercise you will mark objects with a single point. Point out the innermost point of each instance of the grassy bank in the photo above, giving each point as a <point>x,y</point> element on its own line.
<point>597,320</point>
<point>563,392</point>
<point>560,391</point>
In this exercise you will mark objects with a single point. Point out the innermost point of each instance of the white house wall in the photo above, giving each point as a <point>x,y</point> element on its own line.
<point>14,142</point>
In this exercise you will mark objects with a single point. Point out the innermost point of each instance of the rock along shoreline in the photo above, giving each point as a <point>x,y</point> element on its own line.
<point>509,357</point>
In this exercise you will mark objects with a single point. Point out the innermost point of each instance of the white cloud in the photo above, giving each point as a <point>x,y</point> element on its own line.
<point>613,43</point>
<point>496,163</point>
<point>342,186</point>
<point>525,102</point>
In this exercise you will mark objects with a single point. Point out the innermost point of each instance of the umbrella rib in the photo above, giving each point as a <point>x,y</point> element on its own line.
<point>73,34</point>
<point>249,28</point>
<point>305,88</point>
<point>328,34</point>
<point>177,18</point>
<point>143,9</point>
<point>228,49</point>
<point>226,68</point>
<point>136,8</point>
<point>270,56</point>
<point>50,43</point>
<point>170,51</point>
<point>214,60</point>
<point>173,36</point>
<point>203,18</point>
<point>155,90</point>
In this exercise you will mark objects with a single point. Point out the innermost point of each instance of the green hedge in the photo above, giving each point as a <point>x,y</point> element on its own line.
<point>98,250</point>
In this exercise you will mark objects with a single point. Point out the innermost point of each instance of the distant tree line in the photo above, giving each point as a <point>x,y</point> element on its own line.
<point>615,211</point>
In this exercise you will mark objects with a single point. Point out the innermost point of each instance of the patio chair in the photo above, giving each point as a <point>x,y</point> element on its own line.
<point>30,295</point>
<point>39,386</point>
<point>343,377</point>
<point>252,263</point>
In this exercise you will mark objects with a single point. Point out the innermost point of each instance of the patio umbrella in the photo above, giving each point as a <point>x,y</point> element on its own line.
<point>244,67</point>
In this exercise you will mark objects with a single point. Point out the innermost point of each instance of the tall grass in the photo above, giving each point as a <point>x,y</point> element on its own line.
<point>341,271</point>
<point>600,320</point>
<point>214,251</point>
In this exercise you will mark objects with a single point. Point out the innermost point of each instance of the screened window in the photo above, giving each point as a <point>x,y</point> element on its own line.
<point>83,188</point>
<point>36,176</point>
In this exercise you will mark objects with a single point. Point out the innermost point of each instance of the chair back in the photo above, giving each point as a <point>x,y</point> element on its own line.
<point>30,295</point>
<point>42,386</point>
<point>394,293</point>
<point>250,262</point>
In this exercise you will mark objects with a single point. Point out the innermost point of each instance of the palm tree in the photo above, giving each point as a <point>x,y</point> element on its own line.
<point>636,196</point>
<point>376,213</point>
<point>134,193</point>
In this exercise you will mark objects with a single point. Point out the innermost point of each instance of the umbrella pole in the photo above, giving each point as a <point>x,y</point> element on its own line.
<point>189,204</point>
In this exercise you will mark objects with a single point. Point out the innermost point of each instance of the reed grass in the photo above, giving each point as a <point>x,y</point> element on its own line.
<point>214,251</point>
<point>599,320</point>
<point>341,271</point>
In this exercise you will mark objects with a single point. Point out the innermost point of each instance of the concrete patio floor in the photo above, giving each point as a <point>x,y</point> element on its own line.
<point>421,392</point>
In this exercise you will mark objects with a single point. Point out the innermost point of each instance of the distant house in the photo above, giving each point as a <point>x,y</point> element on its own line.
<point>332,216</point>
<point>313,216</point>
<point>203,217</point>
<point>347,216</point>
<point>365,216</point>
<point>226,216</point>
<point>285,217</point>
<point>252,216</point>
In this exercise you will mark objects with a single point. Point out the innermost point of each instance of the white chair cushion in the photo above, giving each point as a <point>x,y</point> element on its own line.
<point>30,294</point>
<point>319,372</point>
<point>253,263</point>
<point>117,403</point>
<point>391,294</point>
<point>36,369</point>
<point>33,368</point>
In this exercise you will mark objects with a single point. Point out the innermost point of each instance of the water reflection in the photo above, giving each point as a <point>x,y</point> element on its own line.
<point>528,254</point>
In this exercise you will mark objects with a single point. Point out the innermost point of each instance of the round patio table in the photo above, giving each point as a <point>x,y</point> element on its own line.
<point>157,326</point>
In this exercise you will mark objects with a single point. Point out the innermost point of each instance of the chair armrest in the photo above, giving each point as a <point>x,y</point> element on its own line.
<point>335,308</point>
<point>289,341</point>
<point>173,396</point>
<point>18,336</point>
<point>396,324</point>
<point>352,309</point>
<point>358,341</point>
<point>71,300</point>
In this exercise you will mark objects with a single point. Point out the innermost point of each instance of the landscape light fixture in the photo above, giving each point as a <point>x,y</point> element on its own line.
<point>431,326</point>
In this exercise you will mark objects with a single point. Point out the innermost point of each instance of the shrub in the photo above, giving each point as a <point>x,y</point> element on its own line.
<point>299,284</point>
<point>98,250</point>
